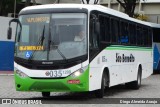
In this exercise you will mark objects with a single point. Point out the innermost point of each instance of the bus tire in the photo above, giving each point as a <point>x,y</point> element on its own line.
<point>100,92</point>
<point>46,94</point>
<point>136,84</point>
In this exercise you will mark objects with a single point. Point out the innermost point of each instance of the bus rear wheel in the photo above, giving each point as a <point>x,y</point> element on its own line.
<point>136,84</point>
<point>45,94</point>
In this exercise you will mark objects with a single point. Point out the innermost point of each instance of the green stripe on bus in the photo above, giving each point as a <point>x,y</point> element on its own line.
<point>53,85</point>
<point>122,47</point>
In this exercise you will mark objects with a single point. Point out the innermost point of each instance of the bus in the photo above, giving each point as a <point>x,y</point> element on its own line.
<point>115,49</point>
<point>156,47</point>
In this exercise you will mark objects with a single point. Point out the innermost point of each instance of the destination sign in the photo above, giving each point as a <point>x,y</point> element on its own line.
<point>31,48</point>
<point>37,19</point>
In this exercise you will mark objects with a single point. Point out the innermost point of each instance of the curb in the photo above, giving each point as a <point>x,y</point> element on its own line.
<point>8,73</point>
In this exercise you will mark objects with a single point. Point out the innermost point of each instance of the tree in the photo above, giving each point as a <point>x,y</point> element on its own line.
<point>129,6</point>
<point>87,1</point>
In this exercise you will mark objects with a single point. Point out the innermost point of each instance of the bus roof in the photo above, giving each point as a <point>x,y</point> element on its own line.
<point>155,25</point>
<point>89,8</point>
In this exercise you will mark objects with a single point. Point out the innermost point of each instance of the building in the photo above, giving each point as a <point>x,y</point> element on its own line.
<point>53,1</point>
<point>150,8</point>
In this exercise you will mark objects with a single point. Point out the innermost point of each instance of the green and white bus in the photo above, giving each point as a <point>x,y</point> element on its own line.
<point>115,49</point>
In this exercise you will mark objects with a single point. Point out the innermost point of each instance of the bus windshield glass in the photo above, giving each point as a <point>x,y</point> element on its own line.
<point>57,36</point>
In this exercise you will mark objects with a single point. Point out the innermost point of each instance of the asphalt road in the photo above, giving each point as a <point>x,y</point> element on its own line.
<point>150,89</point>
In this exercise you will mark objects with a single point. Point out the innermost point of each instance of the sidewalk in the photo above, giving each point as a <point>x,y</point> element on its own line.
<point>6,72</point>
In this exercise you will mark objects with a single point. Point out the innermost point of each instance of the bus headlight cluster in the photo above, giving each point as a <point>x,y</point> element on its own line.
<point>20,73</point>
<point>79,72</point>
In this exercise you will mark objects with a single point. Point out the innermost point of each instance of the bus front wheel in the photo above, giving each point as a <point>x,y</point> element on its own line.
<point>100,92</point>
<point>45,94</point>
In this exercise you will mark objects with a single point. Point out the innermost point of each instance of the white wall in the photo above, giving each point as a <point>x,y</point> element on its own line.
<point>61,1</point>
<point>151,1</point>
<point>52,1</point>
<point>45,1</point>
<point>4,27</point>
<point>69,1</point>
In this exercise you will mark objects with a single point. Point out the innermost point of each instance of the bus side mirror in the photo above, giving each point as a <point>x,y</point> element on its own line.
<point>19,34</point>
<point>9,33</point>
<point>97,28</point>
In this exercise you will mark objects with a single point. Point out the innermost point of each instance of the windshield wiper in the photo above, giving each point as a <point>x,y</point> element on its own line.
<point>42,36</point>
<point>40,41</point>
<point>61,54</point>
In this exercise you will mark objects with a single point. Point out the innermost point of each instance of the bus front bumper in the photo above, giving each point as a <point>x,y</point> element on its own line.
<point>68,84</point>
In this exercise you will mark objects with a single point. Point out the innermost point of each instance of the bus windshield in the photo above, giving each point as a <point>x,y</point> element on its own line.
<point>57,36</point>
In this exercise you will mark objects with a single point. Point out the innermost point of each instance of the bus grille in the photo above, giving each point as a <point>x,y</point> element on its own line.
<point>43,86</point>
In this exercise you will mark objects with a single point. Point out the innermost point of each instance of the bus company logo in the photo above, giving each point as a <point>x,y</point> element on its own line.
<point>47,73</point>
<point>47,62</point>
<point>124,58</point>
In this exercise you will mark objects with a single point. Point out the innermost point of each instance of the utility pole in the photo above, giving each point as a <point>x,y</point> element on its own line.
<point>109,3</point>
<point>15,5</point>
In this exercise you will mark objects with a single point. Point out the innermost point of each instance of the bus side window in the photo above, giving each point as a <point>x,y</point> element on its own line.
<point>124,37</point>
<point>150,35</point>
<point>114,30</point>
<point>93,38</point>
<point>91,45</point>
<point>107,29</point>
<point>145,30</point>
<point>143,36</point>
<point>104,29</point>
<point>139,36</point>
<point>132,29</point>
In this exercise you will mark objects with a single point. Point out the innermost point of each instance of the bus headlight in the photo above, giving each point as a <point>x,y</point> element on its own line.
<point>79,72</point>
<point>20,73</point>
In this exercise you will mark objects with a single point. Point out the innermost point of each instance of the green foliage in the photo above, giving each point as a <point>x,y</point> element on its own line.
<point>129,6</point>
<point>141,17</point>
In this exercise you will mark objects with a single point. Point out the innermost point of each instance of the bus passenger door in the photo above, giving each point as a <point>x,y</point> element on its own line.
<point>95,70</point>
<point>93,39</point>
